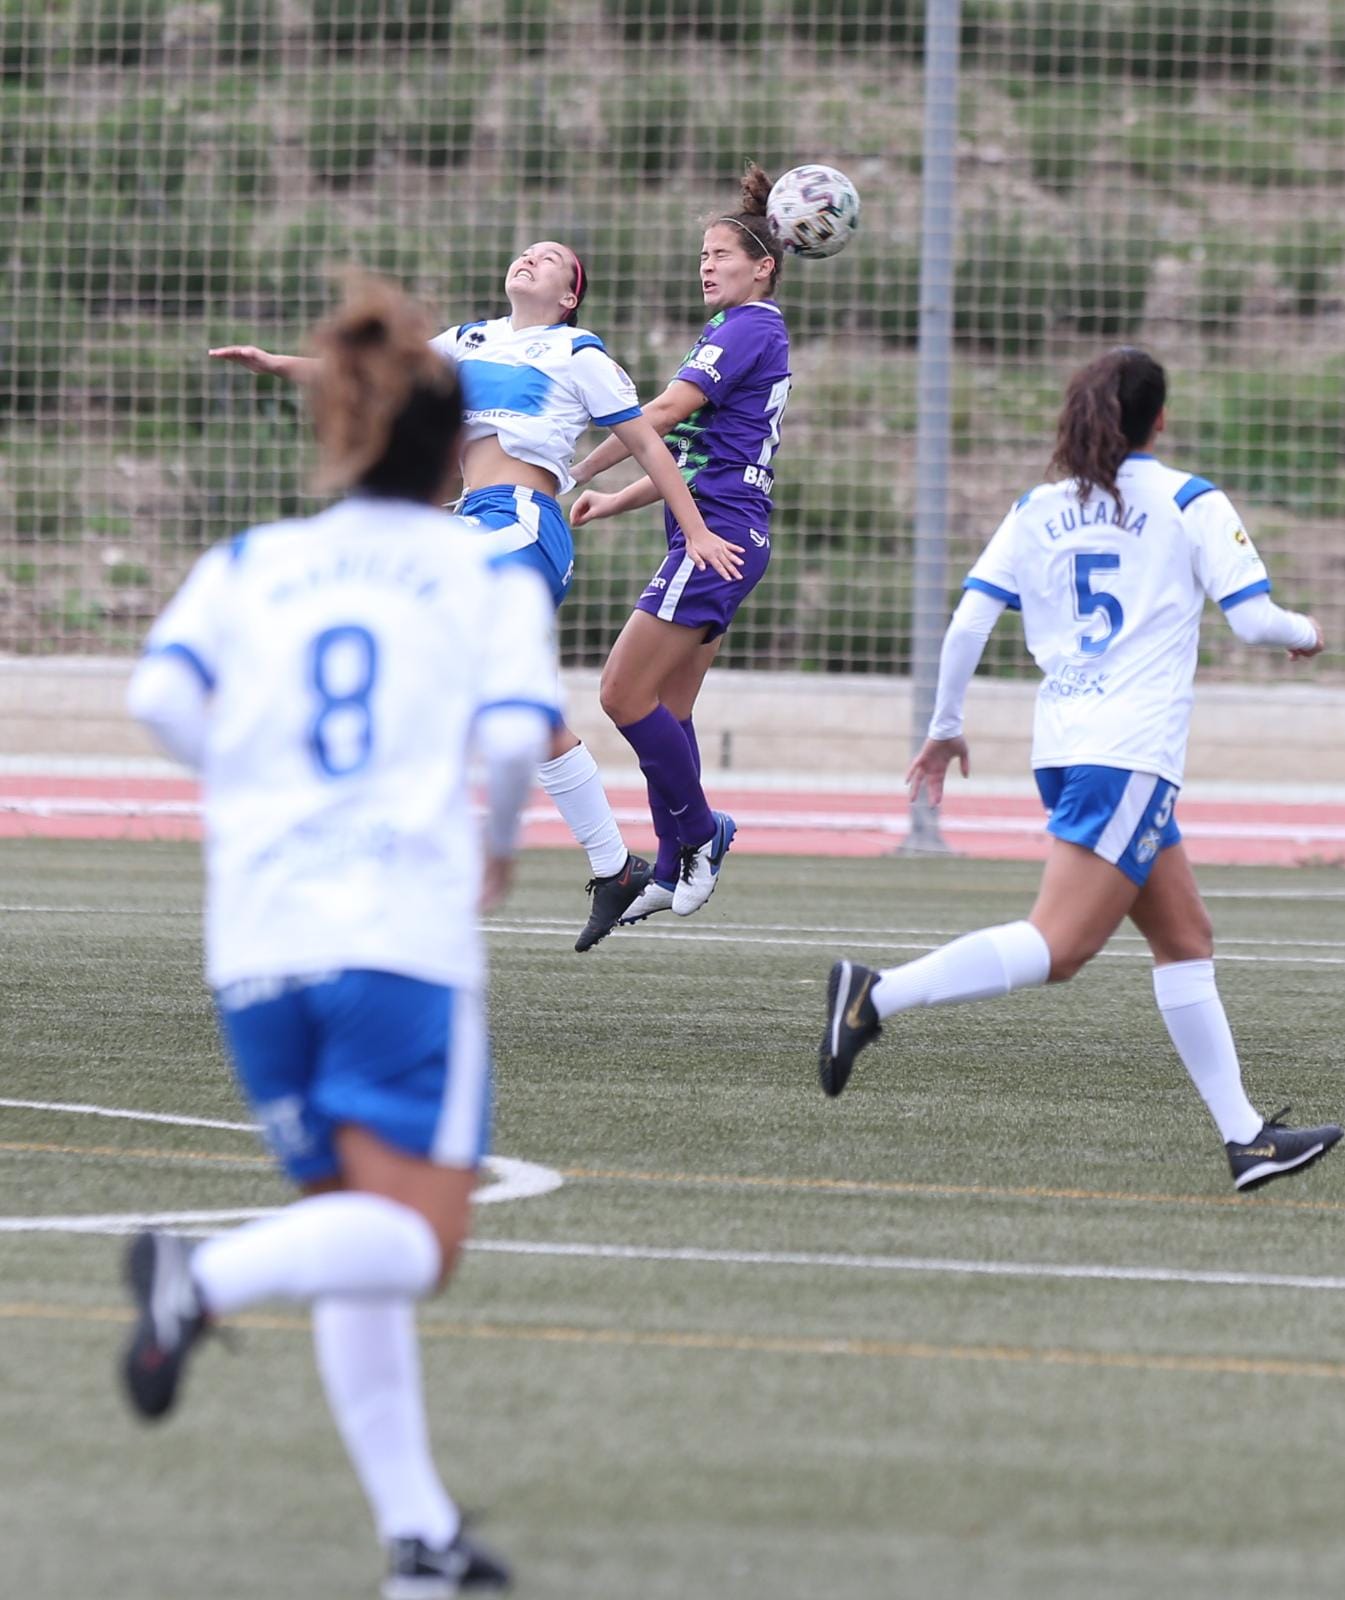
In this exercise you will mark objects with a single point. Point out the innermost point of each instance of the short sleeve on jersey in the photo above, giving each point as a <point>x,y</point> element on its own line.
<point>723,356</point>
<point>606,389</point>
<point>190,626</point>
<point>520,667</point>
<point>993,573</point>
<point>1225,559</point>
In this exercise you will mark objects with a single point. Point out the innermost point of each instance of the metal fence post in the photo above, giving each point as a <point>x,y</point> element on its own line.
<point>934,396</point>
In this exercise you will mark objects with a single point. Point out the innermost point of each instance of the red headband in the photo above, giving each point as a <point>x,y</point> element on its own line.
<point>580,285</point>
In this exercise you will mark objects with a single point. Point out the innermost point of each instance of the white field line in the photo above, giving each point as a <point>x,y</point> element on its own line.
<point>893,823</point>
<point>122,1114</point>
<point>544,924</point>
<point>1085,1271</point>
<point>514,1179</point>
<point>205,1222</point>
<point>862,942</point>
<point>548,924</point>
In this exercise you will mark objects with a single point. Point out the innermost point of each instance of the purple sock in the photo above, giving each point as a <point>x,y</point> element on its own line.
<point>665,826</point>
<point>671,772</point>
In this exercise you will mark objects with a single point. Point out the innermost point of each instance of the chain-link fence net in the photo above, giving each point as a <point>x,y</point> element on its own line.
<point>180,175</point>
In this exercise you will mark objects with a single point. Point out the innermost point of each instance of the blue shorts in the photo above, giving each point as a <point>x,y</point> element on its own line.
<point>408,1061</point>
<point>1125,817</point>
<point>524,526</point>
<point>693,598</point>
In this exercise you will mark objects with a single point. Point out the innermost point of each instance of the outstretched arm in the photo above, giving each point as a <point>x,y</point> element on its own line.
<point>677,402</point>
<point>963,645</point>
<point>704,548</point>
<point>593,505</point>
<point>297,369</point>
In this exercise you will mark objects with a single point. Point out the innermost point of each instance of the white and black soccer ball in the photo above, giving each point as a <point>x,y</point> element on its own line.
<point>814,210</point>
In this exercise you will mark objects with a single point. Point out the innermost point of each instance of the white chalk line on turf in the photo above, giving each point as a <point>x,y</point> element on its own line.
<point>547,924</point>
<point>860,941</point>
<point>202,1223</point>
<point>908,1264</point>
<point>514,1179</point>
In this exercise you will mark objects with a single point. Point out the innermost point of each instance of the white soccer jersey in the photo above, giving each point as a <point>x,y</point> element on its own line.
<point>537,389</point>
<point>1111,598</point>
<point>346,657</point>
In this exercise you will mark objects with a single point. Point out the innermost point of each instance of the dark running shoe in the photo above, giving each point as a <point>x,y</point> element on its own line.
<point>417,1572</point>
<point>852,1023</point>
<point>1278,1150</point>
<point>612,896</point>
<point>171,1320</point>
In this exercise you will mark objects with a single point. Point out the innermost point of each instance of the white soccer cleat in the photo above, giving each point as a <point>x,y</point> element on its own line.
<point>655,896</point>
<point>700,867</point>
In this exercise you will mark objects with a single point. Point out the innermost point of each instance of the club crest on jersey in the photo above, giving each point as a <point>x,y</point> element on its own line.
<point>537,348</point>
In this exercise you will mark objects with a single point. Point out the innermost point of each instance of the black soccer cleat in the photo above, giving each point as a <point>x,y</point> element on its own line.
<point>1278,1150</point>
<point>418,1572</point>
<point>171,1320</point>
<point>852,1022</point>
<point>611,897</point>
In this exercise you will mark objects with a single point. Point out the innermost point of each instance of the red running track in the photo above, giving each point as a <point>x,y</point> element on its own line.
<point>776,821</point>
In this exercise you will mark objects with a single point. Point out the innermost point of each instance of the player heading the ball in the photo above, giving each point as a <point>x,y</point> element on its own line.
<point>721,416</point>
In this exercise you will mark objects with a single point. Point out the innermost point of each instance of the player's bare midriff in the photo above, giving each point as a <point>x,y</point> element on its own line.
<point>485,464</point>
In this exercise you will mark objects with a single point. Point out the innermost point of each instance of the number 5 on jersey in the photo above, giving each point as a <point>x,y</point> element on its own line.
<point>1088,600</point>
<point>342,665</point>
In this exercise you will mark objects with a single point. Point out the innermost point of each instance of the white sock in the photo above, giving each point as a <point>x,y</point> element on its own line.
<point>344,1244</point>
<point>369,1359</point>
<point>978,966</point>
<point>1189,1000</point>
<point>573,783</point>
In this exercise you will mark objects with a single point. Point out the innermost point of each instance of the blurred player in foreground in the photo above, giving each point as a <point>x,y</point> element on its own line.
<point>532,382</point>
<point>326,677</point>
<point>721,415</point>
<point>1110,567</point>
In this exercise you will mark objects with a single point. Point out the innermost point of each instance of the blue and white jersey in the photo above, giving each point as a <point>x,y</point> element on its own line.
<point>347,656</point>
<point>1111,596</point>
<point>537,389</point>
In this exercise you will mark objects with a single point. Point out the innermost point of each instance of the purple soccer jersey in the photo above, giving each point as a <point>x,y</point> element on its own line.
<point>724,450</point>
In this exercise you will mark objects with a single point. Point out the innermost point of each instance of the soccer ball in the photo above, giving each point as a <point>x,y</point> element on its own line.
<point>814,210</point>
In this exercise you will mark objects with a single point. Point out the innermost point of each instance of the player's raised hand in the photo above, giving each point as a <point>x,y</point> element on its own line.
<point>931,765</point>
<point>1303,655</point>
<point>718,553</point>
<point>249,356</point>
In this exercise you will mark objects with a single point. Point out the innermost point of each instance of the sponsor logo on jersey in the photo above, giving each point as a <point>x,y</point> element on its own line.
<point>1075,683</point>
<point>474,338</point>
<point>655,583</point>
<point>704,359</point>
<point>761,540</point>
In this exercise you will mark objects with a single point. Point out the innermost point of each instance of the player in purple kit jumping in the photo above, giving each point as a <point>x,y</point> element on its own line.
<point>721,419</point>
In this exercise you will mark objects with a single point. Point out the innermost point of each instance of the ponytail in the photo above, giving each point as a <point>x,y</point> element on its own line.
<point>1110,410</point>
<point>759,239</point>
<point>386,407</point>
